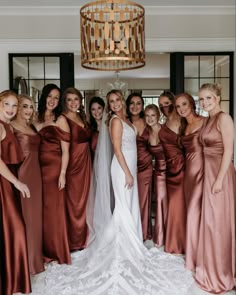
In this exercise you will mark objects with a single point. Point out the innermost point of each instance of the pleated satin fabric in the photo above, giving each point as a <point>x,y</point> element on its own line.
<point>77,185</point>
<point>193,182</point>
<point>14,266</point>
<point>93,142</point>
<point>30,174</point>
<point>176,217</point>
<point>160,194</point>
<point>144,182</point>
<point>55,238</point>
<point>216,257</point>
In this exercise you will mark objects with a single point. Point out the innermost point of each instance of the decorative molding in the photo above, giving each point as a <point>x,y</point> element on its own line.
<point>149,10</point>
<point>152,45</point>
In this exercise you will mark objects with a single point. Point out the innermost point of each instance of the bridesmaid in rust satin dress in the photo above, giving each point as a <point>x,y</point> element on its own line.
<point>14,269</point>
<point>216,259</point>
<point>54,157</point>
<point>30,173</point>
<point>135,112</point>
<point>191,125</point>
<point>96,108</point>
<point>176,217</point>
<point>79,169</point>
<point>152,116</point>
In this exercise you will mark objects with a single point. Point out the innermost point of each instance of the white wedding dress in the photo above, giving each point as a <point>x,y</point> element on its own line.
<point>116,262</point>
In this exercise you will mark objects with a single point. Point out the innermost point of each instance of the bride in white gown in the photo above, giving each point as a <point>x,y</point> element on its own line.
<point>116,261</point>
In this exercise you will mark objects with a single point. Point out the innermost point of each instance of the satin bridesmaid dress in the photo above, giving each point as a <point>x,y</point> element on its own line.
<point>78,177</point>
<point>14,265</point>
<point>160,192</point>
<point>55,237</point>
<point>193,182</point>
<point>176,217</point>
<point>216,257</point>
<point>30,174</point>
<point>144,182</point>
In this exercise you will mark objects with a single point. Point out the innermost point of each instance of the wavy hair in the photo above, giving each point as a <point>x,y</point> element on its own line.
<point>92,121</point>
<point>23,97</point>
<point>81,113</point>
<point>43,102</point>
<point>110,113</point>
<point>128,102</point>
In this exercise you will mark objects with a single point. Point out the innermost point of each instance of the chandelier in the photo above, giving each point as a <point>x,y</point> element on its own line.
<point>112,35</point>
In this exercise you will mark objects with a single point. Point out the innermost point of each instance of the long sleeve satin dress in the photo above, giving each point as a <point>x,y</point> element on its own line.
<point>55,237</point>
<point>77,185</point>
<point>160,192</point>
<point>144,182</point>
<point>14,268</point>
<point>193,182</point>
<point>30,174</point>
<point>176,217</point>
<point>216,257</point>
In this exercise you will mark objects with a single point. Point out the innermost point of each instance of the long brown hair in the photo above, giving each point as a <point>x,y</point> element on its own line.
<point>72,90</point>
<point>183,122</point>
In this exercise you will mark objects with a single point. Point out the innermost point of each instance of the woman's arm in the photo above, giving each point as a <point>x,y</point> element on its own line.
<point>116,138</point>
<point>226,127</point>
<point>6,173</point>
<point>62,123</point>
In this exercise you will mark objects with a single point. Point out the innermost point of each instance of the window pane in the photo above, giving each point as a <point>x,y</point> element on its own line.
<point>191,86</point>
<point>222,66</point>
<point>52,67</point>
<point>206,66</point>
<point>36,67</point>
<point>57,82</point>
<point>20,67</point>
<point>209,80</point>
<point>224,82</point>
<point>225,106</point>
<point>191,66</point>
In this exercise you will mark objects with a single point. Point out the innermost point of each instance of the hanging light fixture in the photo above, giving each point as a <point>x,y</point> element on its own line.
<point>112,35</point>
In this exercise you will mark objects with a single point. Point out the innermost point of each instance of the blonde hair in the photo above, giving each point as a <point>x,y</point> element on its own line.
<point>108,109</point>
<point>4,94</point>
<point>154,108</point>
<point>22,97</point>
<point>215,88</point>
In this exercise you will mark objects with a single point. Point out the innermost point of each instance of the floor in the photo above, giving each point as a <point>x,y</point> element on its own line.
<point>195,290</point>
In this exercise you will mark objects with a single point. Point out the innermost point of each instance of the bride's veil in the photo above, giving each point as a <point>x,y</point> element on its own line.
<point>101,199</point>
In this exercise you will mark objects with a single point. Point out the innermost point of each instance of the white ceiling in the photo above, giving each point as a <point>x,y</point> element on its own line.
<point>144,3</point>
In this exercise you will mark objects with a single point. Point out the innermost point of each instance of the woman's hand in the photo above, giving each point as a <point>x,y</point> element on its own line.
<point>62,180</point>
<point>129,181</point>
<point>23,188</point>
<point>217,186</point>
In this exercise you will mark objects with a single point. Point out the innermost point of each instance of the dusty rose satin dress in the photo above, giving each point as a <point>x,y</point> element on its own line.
<point>144,177</point>
<point>216,257</point>
<point>193,182</point>
<point>55,238</point>
<point>78,177</point>
<point>93,142</point>
<point>30,174</point>
<point>160,192</point>
<point>176,217</point>
<point>14,268</point>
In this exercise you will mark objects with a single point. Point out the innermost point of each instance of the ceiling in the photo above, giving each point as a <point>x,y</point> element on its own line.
<point>144,3</point>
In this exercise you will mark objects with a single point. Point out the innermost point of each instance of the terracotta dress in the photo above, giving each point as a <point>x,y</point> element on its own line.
<point>144,182</point>
<point>30,174</point>
<point>216,257</point>
<point>176,217</point>
<point>160,192</point>
<point>14,268</point>
<point>78,177</point>
<point>55,238</point>
<point>93,142</point>
<point>193,182</point>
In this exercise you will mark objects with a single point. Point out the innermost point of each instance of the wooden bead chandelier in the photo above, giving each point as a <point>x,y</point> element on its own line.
<point>112,35</point>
